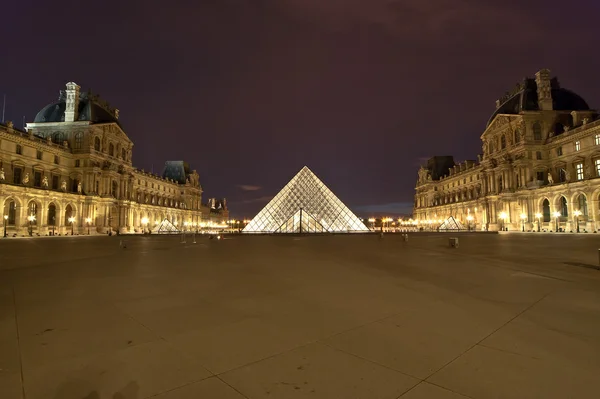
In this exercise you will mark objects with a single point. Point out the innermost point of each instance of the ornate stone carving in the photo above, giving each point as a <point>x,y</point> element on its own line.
<point>63,185</point>
<point>79,188</point>
<point>2,175</point>
<point>26,178</point>
<point>45,182</point>
<point>550,179</point>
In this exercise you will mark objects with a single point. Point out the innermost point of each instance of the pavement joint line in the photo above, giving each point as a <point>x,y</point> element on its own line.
<point>179,387</point>
<point>18,343</point>
<point>231,386</point>
<point>489,335</point>
<point>439,386</point>
<point>507,351</point>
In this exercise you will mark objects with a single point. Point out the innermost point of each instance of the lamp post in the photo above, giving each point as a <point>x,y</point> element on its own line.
<point>577,213</point>
<point>538,216</point>
<point>469,219</point>
<point>503,216</point>
<point>88,220</point>
<point>5,221</point>
<point>72,221</point>
<point>144,224</point>
<point>556,216</point>
<point>31,219</point>
<point>372,221</point>
<point>523,218</point>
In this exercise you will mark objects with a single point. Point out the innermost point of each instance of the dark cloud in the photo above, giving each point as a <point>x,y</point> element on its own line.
<point>248,187</point>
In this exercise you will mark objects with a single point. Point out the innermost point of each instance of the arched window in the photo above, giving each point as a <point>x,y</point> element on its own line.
<point>97,143</point>
<point>33,213</point>
<point>57,138</point>
<point>111,150</point>
<point>51,215</point>
<point>78,141</point>
<point>68,214</point>
<point>12,213</point>
<point>503,142</point>
<point>546,210</point>
<point>537,131</point>
<point>564,211</point>
<point>582,202</point>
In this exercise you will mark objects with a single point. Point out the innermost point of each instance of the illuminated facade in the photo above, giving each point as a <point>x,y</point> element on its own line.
<point>305,205</point>
<point>70,171</point>
<point>540,167</point>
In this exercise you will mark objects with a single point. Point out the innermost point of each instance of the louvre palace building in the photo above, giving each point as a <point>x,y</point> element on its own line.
<point>539,171</point>
<point>70,172</point>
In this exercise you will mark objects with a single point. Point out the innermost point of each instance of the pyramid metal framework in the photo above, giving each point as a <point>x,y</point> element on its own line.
<point>305,205</point>
<point>451,224</point>
<point>166,227</point>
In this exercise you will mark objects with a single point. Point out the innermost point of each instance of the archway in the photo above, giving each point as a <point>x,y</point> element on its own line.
<point>546,210</point>
<point>33,213</point>
<point>562,207</point>
<point>10,210</point>
<point>51,219</point>
<point>69,213</point>
<point>582,205</point>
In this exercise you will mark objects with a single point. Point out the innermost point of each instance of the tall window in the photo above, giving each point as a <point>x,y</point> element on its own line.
<point>562,175</point>
<point>55,182</point>
<point>577,145</point>
<point>19,149</point>
<point>33,212</point>
<point>546,210</point>
<point>51,215</point>
<point>78,141</point>
<point>115,188</point>
<point>97,143</point>
<point>56,159</point>
<point>579,171</point>
<point>111,149</point>
<point>537,131</point>
<point>12,213</point>
<point>564,211</point>
<point>17,176</point>
<point>540,176</point>
<point>123,153</point>
<point>38,154</point>
<point>37,179</point>
<point>57,138</point>
<point>559,151</point>
<point>597,162</point>
<point>503,142</point>
<point>538,155</point>
<point>597,139</point>
<point>582,202</point>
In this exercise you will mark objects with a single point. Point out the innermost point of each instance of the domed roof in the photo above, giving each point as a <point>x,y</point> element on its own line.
<point>525,98</point>
<point>91,108</point>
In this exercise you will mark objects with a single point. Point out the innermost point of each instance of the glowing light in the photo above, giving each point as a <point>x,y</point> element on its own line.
<point>538,215</point>
<point>88,220</point>
<point>577,213</point>
<point>31,218</point>
<point>556,214</point>
<point>469,218</point>
<point>503,215</point>
<point>71,219</point>
<point>144,220</point>
<point>523,216</point>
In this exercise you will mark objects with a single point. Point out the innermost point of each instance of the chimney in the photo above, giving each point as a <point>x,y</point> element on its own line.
<point>542,80</point>
<point>72,102</point>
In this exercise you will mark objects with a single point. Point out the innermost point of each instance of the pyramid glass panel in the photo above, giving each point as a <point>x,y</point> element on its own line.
<point>451,224</point>
<point>305,205</point>
<point>166,227</point>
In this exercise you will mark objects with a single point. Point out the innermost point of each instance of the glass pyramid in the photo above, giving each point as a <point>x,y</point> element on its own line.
<point>305,205</point>
<point>451,224</point>
<point>166,227</point>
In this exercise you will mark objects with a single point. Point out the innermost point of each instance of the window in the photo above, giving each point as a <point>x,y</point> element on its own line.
<point>17,176</point>
<point>503,142</point>
<point>115,189</point>
<point>579,171</point>
<point>57,138</point>
<point>97,143</point>
<point>37,179</point>
<point>12,213</point>
<point>562,175</point>
<point>111,150</point>
<point>78,141</point>
<point>597,139</point>
<point>537,131</point>
<point>123,153</point>
<point>55,182</point>
<point>582,202</point>
<point>51,215</point>
<point>19,149</point>
<point>97,187</point>
<point>38,155</point>
<point>546,210</point>
<point>56,159</point>
<point>597,162</point>
<point>564,211</point>
<point>77,163</point>
<point>538,155</point>
<point>540,176</point>
<point>33,212</point>
<point>577,145</point>
<point>559,151</point>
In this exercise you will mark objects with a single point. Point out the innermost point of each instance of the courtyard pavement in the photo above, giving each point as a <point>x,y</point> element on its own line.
<point>501,316</point>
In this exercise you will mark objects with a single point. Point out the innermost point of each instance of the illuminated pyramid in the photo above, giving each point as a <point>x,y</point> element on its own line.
<point>305,205</point>
<point>165,227</point>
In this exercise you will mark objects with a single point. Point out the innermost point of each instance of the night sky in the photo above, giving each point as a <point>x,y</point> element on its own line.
<point>249,91</point>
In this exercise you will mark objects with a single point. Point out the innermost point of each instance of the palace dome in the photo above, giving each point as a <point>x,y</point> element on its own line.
<point>525,98</point>
<point>91,108</point>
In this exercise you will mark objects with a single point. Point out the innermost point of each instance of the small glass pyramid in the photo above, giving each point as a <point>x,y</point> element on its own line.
<point>305,205</point>
<point>166,227</point>
<point>451,224</point>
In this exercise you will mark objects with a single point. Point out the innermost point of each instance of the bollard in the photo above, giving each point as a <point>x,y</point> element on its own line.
<point>453,242</point>
<point>405,237</point>
<point>122,244</point>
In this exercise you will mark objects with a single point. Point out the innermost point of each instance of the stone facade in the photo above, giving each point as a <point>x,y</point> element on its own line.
<point>540,167</point>
<point>70,171</point>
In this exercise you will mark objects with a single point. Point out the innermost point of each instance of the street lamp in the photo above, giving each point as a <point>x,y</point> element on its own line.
<point>5,221</point>
<point>503,216</point>
<point>144,224</point>
<point>31,219</point>
<point>72,221</point>
<point>523,218</point>
<point>372,221</point>
<point>556,216</point>
<point>88,221</point>
<point>577,213</point>
<point>538,216</point>
<point>469,219</point>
